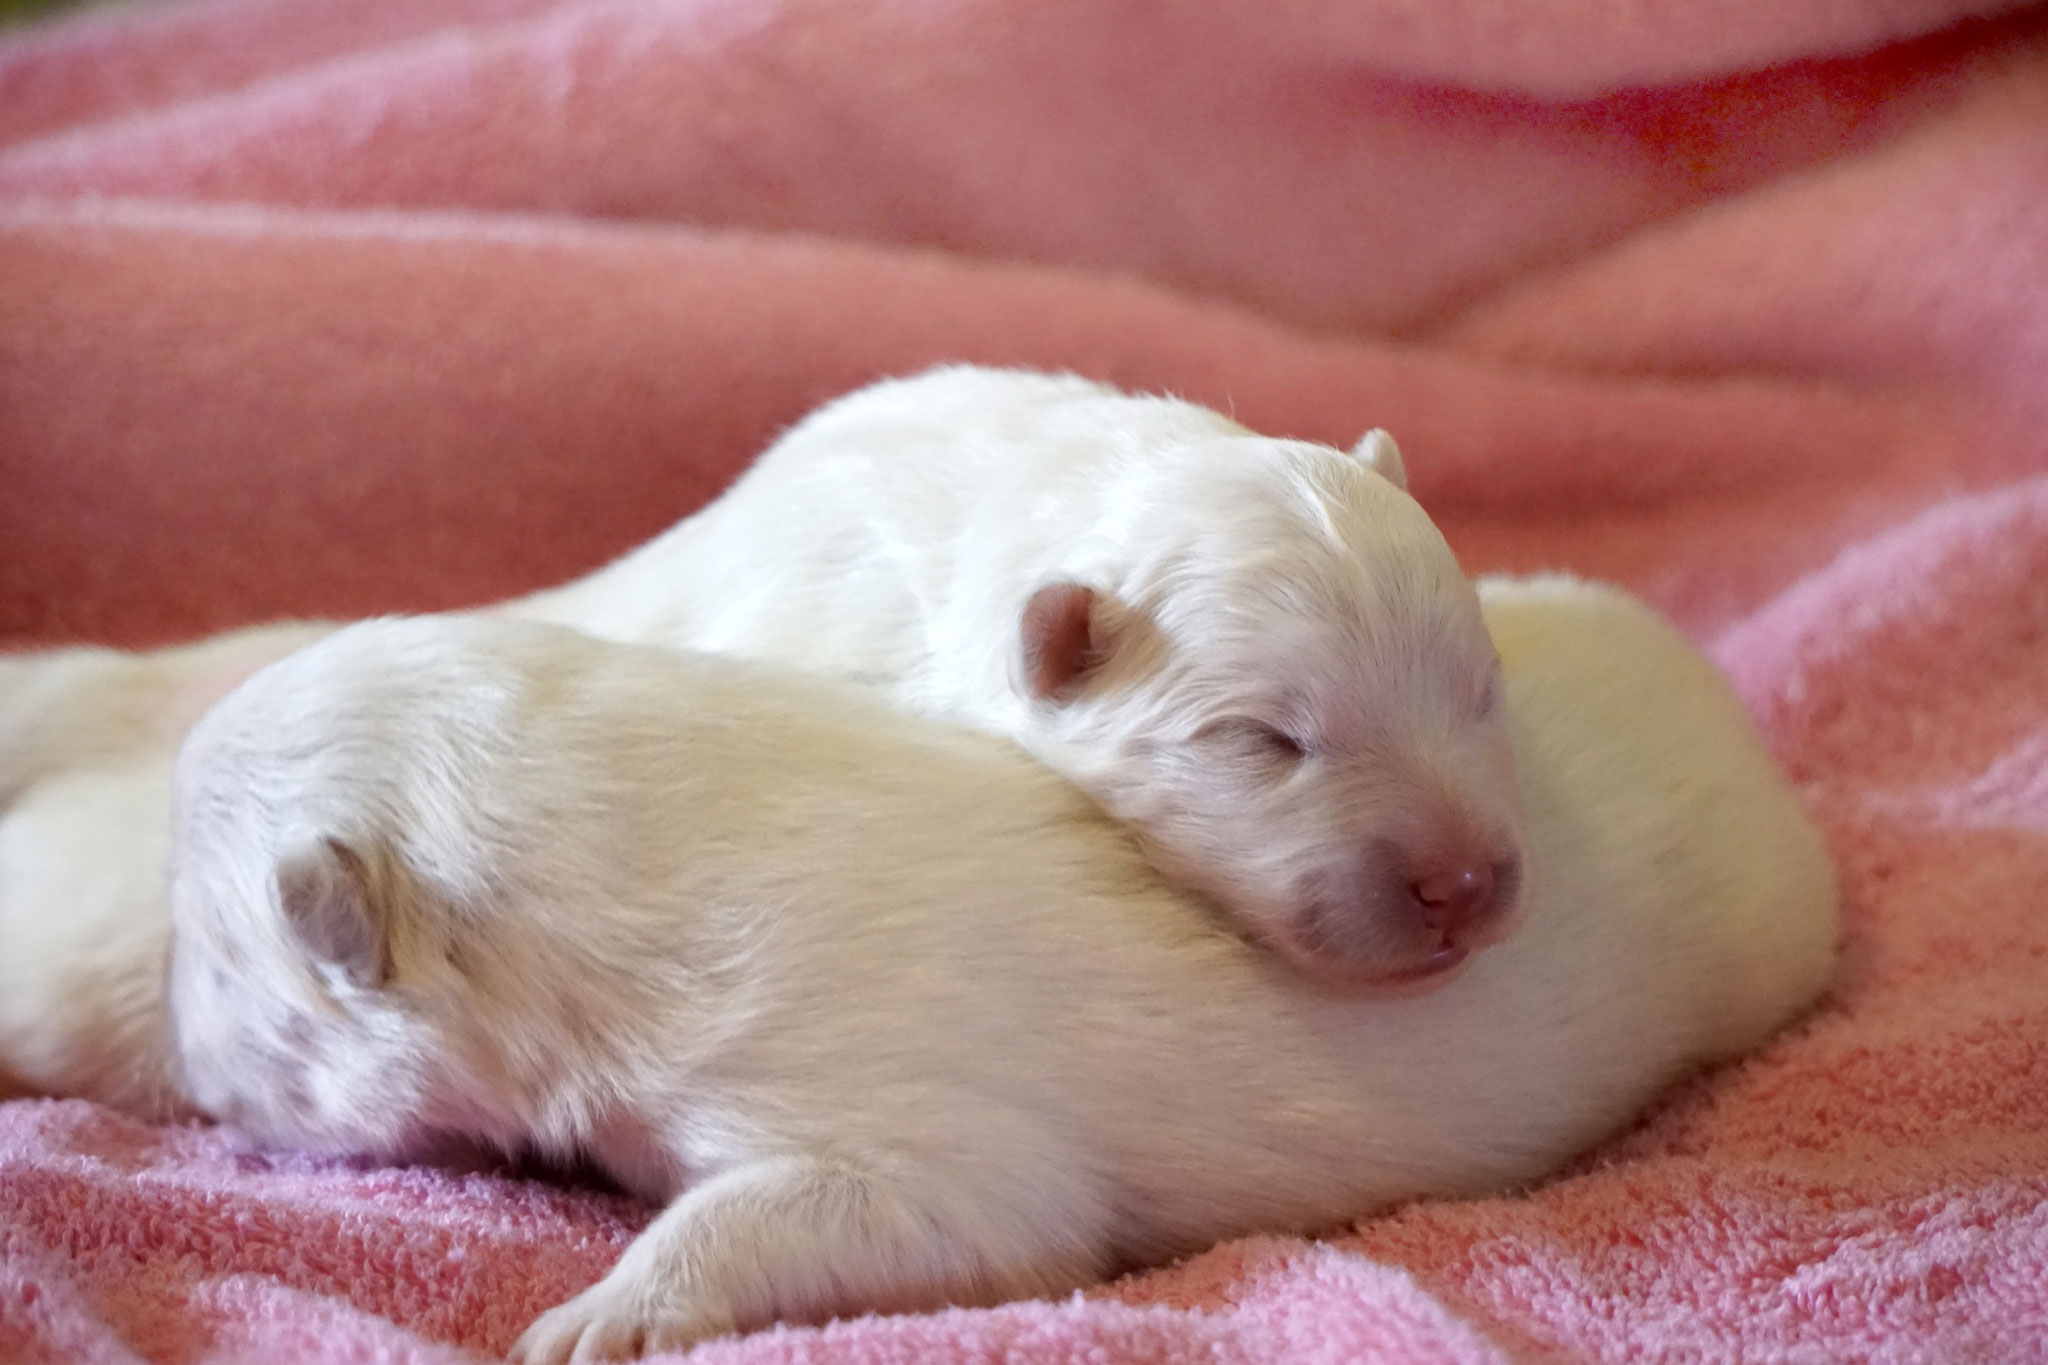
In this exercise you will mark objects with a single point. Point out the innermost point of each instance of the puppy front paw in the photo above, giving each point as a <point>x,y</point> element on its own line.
<point>617,1321</point>
<point>790,1238</point>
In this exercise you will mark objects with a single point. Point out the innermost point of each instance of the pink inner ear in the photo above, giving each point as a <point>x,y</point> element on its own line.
<point>1059,639</point>
<point>326,897</point>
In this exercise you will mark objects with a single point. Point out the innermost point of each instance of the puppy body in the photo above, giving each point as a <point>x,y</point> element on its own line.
<point>1259,654</point>
<point>83,925</point>
<point>64,710</point>
<point>87,737</point>
<point>889,1013</point>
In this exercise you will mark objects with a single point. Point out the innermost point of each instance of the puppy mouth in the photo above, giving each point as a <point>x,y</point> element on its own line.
<point>1415,978</point>
<point>1426,975</point>
<point>1442,962</point>
<point>1309,949</point>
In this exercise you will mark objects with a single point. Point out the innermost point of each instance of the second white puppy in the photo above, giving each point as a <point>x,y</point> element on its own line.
<point>886,1010</point>
<point>87,738</point>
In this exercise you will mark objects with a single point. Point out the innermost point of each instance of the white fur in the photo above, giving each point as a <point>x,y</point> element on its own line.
<point>81,860</point>
<point>1246,585</point>
<point>888,1012</point>
<point>87,736</point>
<point>66,709</point>
<point>1247,590</point>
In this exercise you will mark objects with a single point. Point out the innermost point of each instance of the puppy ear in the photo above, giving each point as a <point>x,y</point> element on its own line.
<point>1377,451</point>
<point>335,905</point>
<point>1060,641</point>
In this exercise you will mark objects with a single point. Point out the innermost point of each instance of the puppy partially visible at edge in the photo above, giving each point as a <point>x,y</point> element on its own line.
<point>63,711</point>
<point>887,1015</point>
<point>87,737</point>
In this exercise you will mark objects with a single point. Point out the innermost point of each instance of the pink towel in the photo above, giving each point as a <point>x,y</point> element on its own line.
<point>333,306</point>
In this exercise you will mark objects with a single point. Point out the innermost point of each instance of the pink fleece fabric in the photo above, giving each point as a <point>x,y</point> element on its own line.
<point>339,306</point>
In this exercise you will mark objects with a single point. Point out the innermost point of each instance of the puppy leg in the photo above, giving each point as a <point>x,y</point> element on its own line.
<point>798,1239</point>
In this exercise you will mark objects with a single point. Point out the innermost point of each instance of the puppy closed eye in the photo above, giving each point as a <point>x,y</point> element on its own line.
<point>1267,744</point>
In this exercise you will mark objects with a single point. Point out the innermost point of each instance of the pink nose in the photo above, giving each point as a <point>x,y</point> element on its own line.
<point>1455,900</point>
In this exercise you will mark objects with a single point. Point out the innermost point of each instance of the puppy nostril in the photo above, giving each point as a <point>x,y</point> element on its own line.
<point>1453,898</point>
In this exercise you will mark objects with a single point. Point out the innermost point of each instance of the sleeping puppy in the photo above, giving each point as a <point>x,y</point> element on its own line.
<point>889,1016</point>
<point>87,738</point>
<point>63,711</point>
<point>1259,654</point>
<point>82,929</point>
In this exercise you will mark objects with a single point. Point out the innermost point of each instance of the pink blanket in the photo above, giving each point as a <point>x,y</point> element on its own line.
<point>345,305</point>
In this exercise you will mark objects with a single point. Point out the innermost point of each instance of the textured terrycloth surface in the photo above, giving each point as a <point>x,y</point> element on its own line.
<point>342,305</point>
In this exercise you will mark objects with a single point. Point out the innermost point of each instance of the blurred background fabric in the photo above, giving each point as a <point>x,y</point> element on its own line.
<point>21,10</point>
<point>346,306</point>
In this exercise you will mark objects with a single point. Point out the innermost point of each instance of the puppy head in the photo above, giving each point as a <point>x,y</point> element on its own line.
<point>281,1017</point>
<point>1291,697</point>
<point>316,983</point>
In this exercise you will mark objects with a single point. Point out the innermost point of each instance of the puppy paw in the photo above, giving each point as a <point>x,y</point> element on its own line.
<point>611,1321</point>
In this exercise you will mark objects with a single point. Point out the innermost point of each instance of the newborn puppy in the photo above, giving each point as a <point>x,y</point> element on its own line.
<point>66,710</point>
<point>886,1013</point>
<point>86,742</point>
<point>1259,654</point>
<point>82,929</point>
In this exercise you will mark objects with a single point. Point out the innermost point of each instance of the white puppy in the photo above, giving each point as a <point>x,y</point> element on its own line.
<point>86,742</point>
<point>66,710</point>
<point>1259,654</point>
<point>82,929</point>
<point>889,1014</point>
